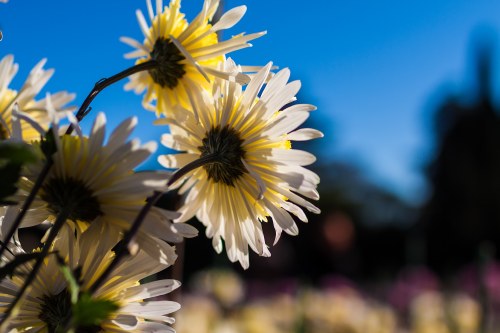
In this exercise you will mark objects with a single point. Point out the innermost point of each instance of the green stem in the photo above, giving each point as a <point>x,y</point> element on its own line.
<point>59,222</point>
<point>127,238</point>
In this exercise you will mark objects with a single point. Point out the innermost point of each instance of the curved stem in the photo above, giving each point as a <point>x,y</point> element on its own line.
<point>102,84</point>
<point>82,112</point>
<point>59,222</point>
<point>61,218</point>
<point>129,235</point>
<point>191,166</point>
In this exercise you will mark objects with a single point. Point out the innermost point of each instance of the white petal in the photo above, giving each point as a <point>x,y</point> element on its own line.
<point>134,43</point>
<point>283,97</point>
<point>295,210</point>
<point>253,88</point>
<point>185,230</point>
<point>304,134</point>
<point>155,308</point>
<point>292,156</point>
<point>230,18</point>
<point>151,289</point>
<point>121,133</point>
<point>286,124</point>
<point>97,134</point>
<point>125,322</point>
<point>142,23</point>
<point>300,107</point>
<point>276,83</point>
<point>151,327</point>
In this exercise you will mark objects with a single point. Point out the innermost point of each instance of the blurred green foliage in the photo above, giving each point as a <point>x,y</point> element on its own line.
<point>13,155</point>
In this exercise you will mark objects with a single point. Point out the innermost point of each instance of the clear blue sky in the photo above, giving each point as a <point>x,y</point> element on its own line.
<point>370,66</point>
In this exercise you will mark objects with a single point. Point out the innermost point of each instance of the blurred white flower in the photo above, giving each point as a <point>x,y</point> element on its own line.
<point>24,98</point>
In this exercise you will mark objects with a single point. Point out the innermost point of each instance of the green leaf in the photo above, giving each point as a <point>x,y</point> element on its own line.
<point>19,152</point>
<point>48,144</point>
<point>10,173</point>
<point>16,152</point>
<point>73,285</point>
<point>87,312</point>
<point>12,157</point>
<point>90,311</point>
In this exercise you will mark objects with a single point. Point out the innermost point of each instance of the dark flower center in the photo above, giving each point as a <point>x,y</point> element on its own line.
<point>169,69</point>
<point>56,312</point>
<point>63,194</point>
<point>225,144</point>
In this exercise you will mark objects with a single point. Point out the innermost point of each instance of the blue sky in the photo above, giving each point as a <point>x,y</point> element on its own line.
<point>372,67</point>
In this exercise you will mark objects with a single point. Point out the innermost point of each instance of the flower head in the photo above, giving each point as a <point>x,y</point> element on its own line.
<point>186,54</point>
<point>94,182</point>
<point>47,305</point>
<point>238,166</point>
<point>36,80</point>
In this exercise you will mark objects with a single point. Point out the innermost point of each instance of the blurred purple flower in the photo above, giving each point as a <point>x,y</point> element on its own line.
<point>469,281</point>
<point>410,283</point>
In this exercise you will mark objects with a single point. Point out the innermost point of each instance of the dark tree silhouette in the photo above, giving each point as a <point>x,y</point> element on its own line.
<point>464,208</point>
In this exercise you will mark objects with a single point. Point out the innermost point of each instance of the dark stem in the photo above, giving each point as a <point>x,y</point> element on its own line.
<point>210,158</point>
<point>27,203</point>
<point>102,84</point>
<point>82,112</point>
<point>59,222</point>
<point>122,250</point>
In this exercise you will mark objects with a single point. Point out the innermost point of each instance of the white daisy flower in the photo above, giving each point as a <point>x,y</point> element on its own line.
<point>95,181</point>
<point>187,54</point>
<point>47,305</point>
<point>238,166</point>
<point>24,98</point>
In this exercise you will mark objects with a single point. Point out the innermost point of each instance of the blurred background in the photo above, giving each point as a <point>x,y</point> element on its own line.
<point>407,97</point>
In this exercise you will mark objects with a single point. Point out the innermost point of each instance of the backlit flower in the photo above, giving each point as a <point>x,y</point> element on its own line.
<point>94,182</point>
<point>238,166</point>
<point>37,110</point>
<point>47,304</point>
<point>187,54</point>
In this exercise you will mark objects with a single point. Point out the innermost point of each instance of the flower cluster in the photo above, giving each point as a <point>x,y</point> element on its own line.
<point>233,126</point>
<point>220,302</point>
